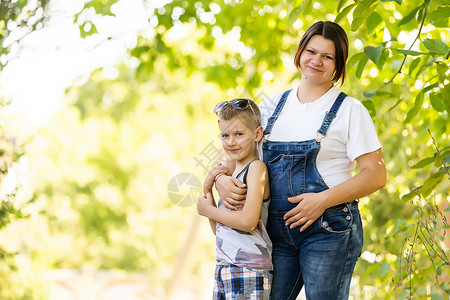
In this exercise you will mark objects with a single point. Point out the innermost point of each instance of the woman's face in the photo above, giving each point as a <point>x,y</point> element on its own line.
<point>318,60</point>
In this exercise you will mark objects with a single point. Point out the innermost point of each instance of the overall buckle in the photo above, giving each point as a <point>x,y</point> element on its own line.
<point>319,136</point>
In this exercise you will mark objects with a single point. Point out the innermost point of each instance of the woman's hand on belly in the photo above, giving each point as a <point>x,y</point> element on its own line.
<point>309,208</point>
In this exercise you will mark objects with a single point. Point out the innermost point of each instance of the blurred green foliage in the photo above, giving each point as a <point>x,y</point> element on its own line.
<point>101,169</point>
<point>17,19</point>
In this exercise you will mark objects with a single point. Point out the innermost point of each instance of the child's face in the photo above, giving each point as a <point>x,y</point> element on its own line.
<point>238,140</point>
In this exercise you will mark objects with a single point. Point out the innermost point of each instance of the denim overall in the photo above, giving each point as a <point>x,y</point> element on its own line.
<point>323,257</point>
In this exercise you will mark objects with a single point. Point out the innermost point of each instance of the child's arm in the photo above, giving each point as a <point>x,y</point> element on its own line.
<point>207,188</point>
<point>247,218</point>
<point>213,225</point>
<point>206,201</point>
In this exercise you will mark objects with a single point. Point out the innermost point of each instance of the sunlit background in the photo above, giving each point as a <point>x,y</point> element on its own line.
<point>107,133</point>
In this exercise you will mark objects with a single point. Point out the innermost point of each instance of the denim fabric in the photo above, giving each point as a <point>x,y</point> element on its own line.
<point>330,115</point>
<point>323,257</point>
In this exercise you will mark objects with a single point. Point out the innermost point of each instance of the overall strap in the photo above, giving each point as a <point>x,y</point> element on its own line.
<point>245,169</point>
<point>276,113</point>
<point>330,115</point>
<point>244,179</point>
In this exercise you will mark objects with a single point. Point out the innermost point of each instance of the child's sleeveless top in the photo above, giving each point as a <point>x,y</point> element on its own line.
<point>244,249</point>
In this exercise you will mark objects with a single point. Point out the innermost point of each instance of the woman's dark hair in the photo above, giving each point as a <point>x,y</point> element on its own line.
<point>333,32</point>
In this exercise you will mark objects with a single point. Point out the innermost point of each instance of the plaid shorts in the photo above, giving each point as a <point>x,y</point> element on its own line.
<point>238,283</point>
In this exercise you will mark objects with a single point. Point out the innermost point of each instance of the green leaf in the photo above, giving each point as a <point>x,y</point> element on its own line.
<point>410,195</point>
<point>404,295</point>
<point>430,87</point>
<point>444,170</point>
<point>439,18</point>
<point>289,4</point>
<point>87,29</point>
<point>435,296</point>
<point>442,2</point>
<point>409,52</point>
<point>420,71</point>
<point>360,68</point>
<point>370,269</point>
<point>384,269</point>
<point>293,16</point>
<point>398,1</point>
<point>340,5</point>
<point>137,52</point>
<point>436,46</point>
<point>373,53</point>
<point>382,60</point>
<point>439,269</point>
<point>369,94</point>
<point>441,155</point>
<point>354,59</point>
<point>373,21</point>
<point>442,69</point>
<point>420,13</point>
<point>416,108</point>
<point>447,159</point>
<point>361,12</point>
<point>409,17</point>
<point>436,101</point>
<point>344,13</point>
<point>438,15</point>
<point>445,92</point>
<point>395,105</point>
<point>370,108</point>
<point>423,163</point>
<point>431,183</point>
<point>297,11</point>
<point>413,66</point>
<point>101,6</point>
<point>386,94</point>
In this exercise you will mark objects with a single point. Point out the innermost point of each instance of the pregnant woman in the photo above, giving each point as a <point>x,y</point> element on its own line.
<point>313,138</point>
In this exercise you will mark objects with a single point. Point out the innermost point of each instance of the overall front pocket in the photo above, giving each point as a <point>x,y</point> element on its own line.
<point>287,175</point>
<point>337,220</point>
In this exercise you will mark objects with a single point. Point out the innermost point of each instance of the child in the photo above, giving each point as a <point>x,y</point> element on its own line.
<point>243,247</point>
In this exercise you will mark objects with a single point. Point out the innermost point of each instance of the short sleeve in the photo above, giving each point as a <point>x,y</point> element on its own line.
<point>362,137</point>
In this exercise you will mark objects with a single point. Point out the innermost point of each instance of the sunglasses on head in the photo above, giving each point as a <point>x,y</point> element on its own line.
<point>240,104</point>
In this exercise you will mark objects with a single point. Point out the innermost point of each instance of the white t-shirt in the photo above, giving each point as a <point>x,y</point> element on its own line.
<point>351,134</point>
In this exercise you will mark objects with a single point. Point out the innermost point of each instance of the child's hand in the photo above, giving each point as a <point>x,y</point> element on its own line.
<point>209,180</point>
<point>205,203</point>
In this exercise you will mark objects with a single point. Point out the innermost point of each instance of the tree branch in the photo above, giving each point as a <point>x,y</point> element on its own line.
<point>406,55</point>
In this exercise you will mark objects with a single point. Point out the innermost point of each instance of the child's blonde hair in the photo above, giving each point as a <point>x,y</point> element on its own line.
<point>251,115</point>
